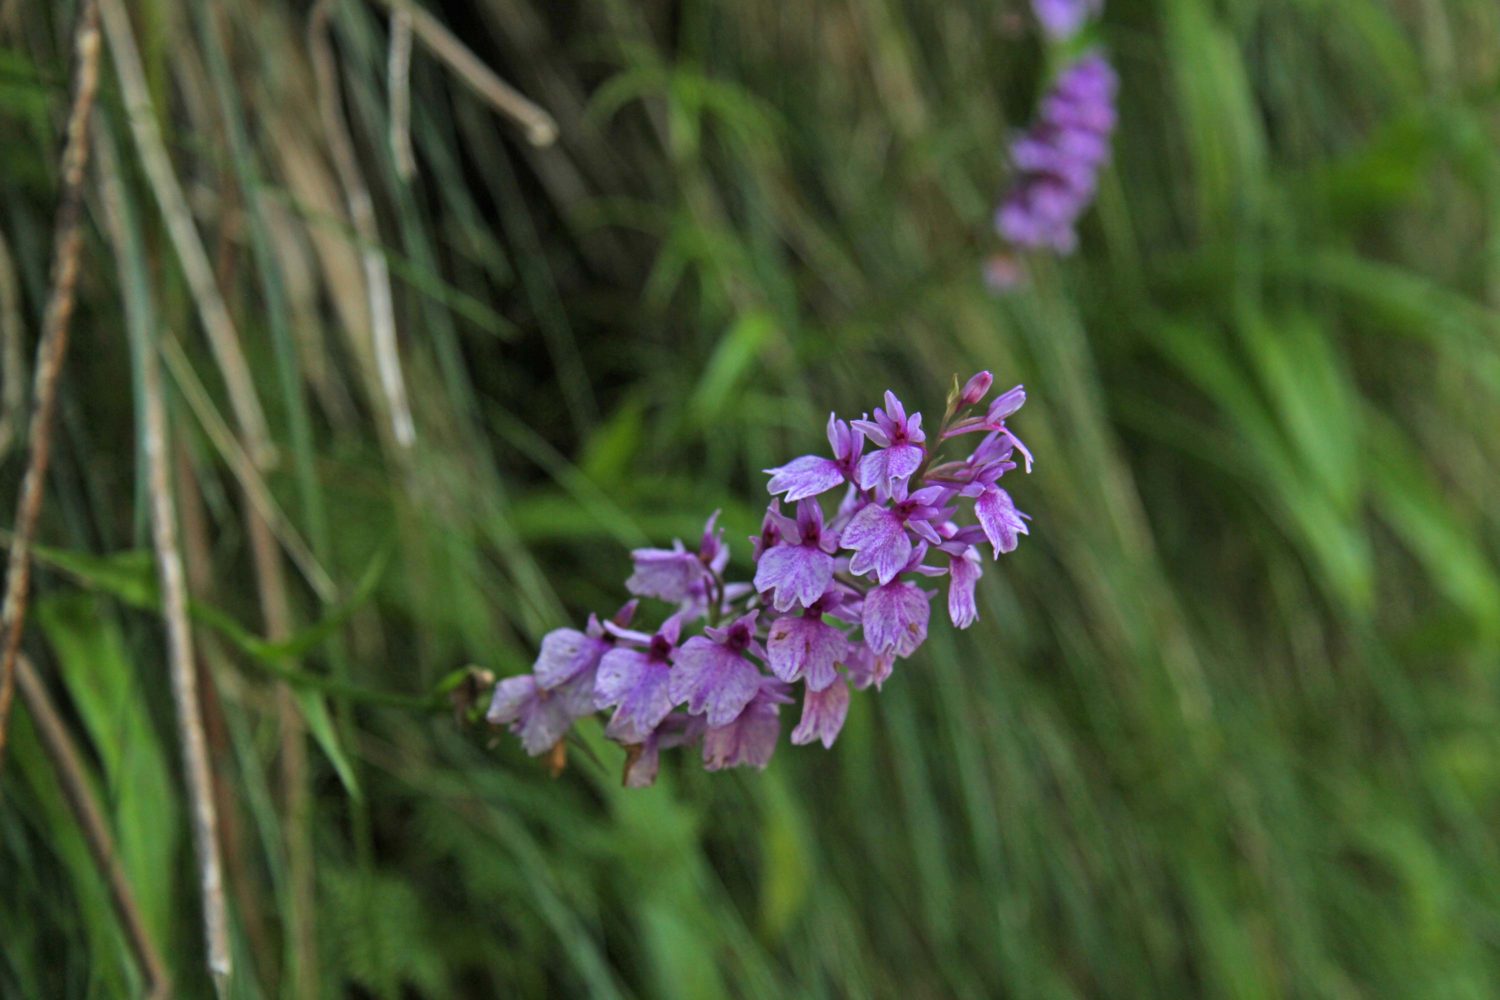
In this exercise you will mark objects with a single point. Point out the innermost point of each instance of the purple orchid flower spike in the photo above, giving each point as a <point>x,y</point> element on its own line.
<point>823,714</point>
<point>805,647</point>
<point>900,440</point>
<point>749,738</point>
<point>712,675</point>
<point>638,681</point>
<point>799,570</point>
<point>833,604</point>
<point>812,475</point>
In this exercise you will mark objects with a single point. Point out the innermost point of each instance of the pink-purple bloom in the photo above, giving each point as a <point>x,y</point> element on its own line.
<point>800,568</point>
<point>1058,159</point>
<point>837,597</point>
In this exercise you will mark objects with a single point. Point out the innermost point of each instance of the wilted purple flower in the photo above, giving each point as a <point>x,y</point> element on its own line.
<point>712,675</point>
<point>896,616</point>
<point>798,570</point>
<point>1058,159</point>
<point>637,681</point>
<point>866,667</point>
<point>811,475</point>
<point>900,441</point>
<point>643,760</point>
<point>806,647</point>
<point>823,714</point>
<point>1061,19</point>
<point>748,738</point>
<point>540,718</point>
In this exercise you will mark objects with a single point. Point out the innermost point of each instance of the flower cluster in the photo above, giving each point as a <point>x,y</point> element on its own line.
<point>1057,160</point>
<point>835,600</point>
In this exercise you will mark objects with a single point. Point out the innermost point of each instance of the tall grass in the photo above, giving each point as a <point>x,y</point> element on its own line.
<point>1229,724</point>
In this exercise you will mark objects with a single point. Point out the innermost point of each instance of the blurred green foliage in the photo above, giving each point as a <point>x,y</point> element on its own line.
<point>1229,723</point>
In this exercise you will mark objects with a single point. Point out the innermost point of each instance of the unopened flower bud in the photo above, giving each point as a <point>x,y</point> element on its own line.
<point>975,388</point>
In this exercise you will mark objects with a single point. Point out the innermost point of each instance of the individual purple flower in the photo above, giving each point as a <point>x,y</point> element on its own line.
<point>668,574</point>
<point>643,760</point>
<point>540,718</point>
<point>799,570</point>
<point>712,675</point>
<point>895,617</point>
<point>811,475</point>
<point>1057,160</point>
<point>823,714</point>
<point>964,571</point>
<point>877,533</point>
<point>567,653</point>
<point>1061,19</point>
<point>1002,523</point>
<point>749,737</point>
<point>900,441</point>
<point>805,646</point>
<point>866,667</point>
<point>637,681</point>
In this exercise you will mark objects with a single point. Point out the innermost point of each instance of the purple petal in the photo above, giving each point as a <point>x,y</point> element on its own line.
<point>537,717</point>
<point>804,477</point>
<point>712,680</point>
<point>877,537</point>
<point>866,667</point>
<point>747,739</point>
<point>1002,523</point>
<point>823,714</point>
<point>797,574</point>
<point>805,647</point>
<point>668,574</point>
<point>963,573</point>
<point>895,618</point>
<point>638,684</point>
<point>889,465</point>
<point>566,653</point>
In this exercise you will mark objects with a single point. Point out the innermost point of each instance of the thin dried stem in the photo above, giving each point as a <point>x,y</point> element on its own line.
<point>223,339</point>
<point>243,468</point>
<point>12,349</point>
<point>362,215</point>
<point>51,350</point>
<point>73,779</point>
<point>398,74</point>
<point>197,770</point>
<point>541,128</point>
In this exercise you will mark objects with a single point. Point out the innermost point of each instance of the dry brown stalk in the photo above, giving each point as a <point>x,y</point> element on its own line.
<point>51,350</point>
<point>73,779</point>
